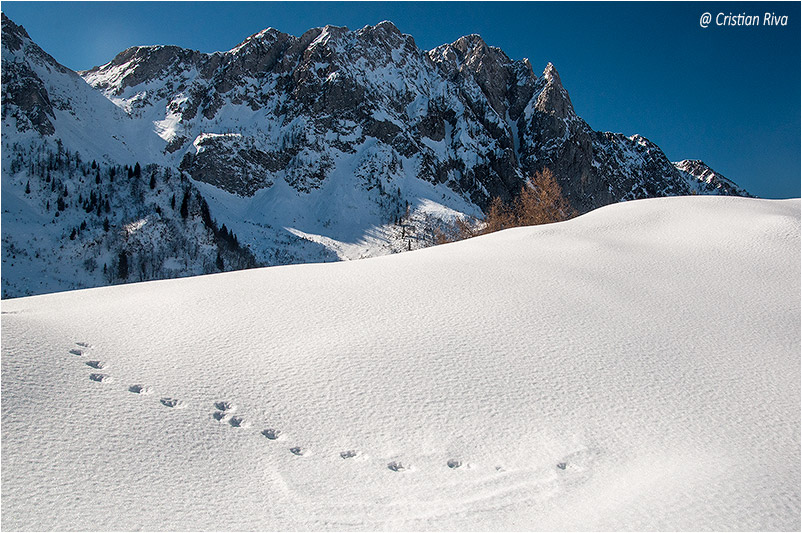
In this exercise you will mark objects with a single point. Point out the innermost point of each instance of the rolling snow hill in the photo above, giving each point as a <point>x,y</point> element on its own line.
<point>634,368</point>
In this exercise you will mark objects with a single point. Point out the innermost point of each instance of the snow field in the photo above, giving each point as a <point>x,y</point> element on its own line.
<point>635,368</point>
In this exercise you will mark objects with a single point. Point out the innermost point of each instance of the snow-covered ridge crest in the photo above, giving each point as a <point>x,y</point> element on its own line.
<point>704,179</point>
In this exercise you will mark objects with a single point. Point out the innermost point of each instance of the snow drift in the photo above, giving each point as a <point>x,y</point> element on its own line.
<point>635,368</point>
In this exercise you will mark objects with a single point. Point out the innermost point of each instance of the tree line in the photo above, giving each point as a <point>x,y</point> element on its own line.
<point>540,201</point>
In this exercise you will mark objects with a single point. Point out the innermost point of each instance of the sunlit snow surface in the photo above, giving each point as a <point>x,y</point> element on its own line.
<point>635,368</point>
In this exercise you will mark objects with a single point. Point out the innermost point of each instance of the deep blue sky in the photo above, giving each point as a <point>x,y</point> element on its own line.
<point>727,95</point>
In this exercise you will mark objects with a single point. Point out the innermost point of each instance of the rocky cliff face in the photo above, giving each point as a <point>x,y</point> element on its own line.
<point>24,93</point>
<point>337,144</point>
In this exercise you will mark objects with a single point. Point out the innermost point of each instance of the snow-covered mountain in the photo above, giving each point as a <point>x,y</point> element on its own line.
<point>624,370</point>
<point>78,209</point>
<point>337,144</point>
<point>301,109</point>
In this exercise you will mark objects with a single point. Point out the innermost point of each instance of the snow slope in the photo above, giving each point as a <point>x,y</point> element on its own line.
<point>634,368</point>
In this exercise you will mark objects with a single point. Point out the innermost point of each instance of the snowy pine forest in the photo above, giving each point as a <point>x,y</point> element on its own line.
<point>105,224</point>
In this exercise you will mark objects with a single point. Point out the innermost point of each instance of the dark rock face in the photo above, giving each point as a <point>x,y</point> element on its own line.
<point>24,93</point>
<point>227,162</point>
<point>24,90</point>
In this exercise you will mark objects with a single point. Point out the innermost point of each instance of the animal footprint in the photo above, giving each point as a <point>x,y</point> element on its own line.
<point>172,402</point>
<point>225,406</point>
<point>348,454</point>
<point>453,463</point>
<point>79,351</point>
<point>272,434</point>
<point>298,451</point>
<point>220,416</point>
<point>579,462</point>
<point>238,422</point>
<point>139,389</point>
<point>96,364</point>
<point>99,377</point>
<point>396,466</point>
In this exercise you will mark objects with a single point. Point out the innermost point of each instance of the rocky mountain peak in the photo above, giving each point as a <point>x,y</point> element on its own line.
<point>140,64</point>
<point>16,39</point>
<point>550,73</point>
<point>469,52</point>
<point>506,84</point>
<point>329,34</point>
<point>386,34</point>
<point>25,94</point>
<point>13,35</point>
<point>554,99</point>
<point>261,40</point>
<point>384,27</point>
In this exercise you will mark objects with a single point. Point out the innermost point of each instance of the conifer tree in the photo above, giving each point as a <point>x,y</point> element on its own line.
<point>185,205</point>
<point>122,266</point>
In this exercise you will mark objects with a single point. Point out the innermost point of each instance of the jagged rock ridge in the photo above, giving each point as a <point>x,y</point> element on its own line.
<point>463,114</point>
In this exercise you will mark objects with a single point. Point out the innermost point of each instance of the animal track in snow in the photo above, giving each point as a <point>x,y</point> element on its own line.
<point>220,416</point>
<point>79,351</point>
<point>453,463</point>
<point>397,466</point>
<point>140,389</point>
<point>348,454</point>
<point>84,344</point>
<point>578,465</point>
<point>174,403</point>
<point>272,434</point>
<point>298,451</point>
<point>100,377</point>
<point>96,364</point>
<point>238,422</point>
<point>225,406</point>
